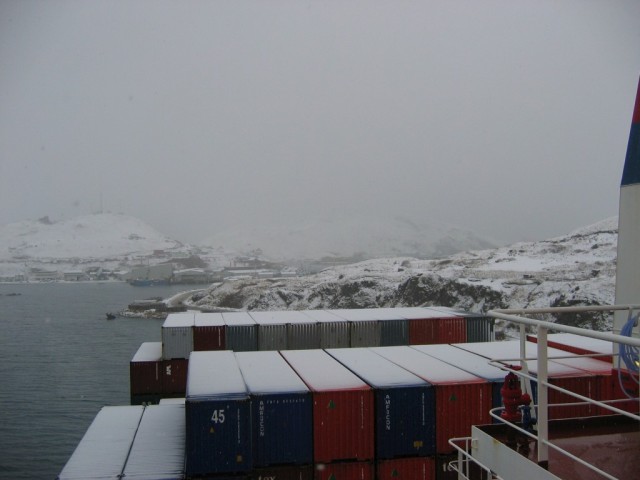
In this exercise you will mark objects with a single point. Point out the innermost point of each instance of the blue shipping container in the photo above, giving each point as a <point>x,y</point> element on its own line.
<point>218,428</point>
<point>404,404</point>
<point>281,410</point>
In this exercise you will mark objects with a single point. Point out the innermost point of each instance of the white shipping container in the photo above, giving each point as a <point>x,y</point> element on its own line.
<point>177,335</point>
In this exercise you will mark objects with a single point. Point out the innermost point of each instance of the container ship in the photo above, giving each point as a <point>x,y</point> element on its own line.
<point>393,393</point>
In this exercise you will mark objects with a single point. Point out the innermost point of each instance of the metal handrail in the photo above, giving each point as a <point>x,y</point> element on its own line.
<point>464,458</point>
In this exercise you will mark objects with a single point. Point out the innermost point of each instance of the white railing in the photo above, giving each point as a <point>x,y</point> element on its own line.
<point>542,408</point>
<point>463,464</point>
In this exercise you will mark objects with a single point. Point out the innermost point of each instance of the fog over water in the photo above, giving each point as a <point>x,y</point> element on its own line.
<point>507,118</point>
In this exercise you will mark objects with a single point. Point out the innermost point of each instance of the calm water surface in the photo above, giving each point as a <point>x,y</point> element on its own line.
<point>60,362</point>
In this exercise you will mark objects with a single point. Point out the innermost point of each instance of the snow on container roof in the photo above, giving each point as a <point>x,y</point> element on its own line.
<point>214,374</point>
<point>237,319</point>
<point>511,350</point>
<point>320,371</point>
<point>148,352</point>
<point>456,313</point>
<point>182,319</point>
<point>420,313</point>
<point>281,317</point>
<point>467,361</point>
<point>157,452</point>
<point>430,369</point>
<point>587,344</point>
<point>208,320</point>
<point>388,314</point>
<point>268,372</point>
<point>323,316</point>
<point>103,450</point>
<point>377,371</point>
<point>356,314</point>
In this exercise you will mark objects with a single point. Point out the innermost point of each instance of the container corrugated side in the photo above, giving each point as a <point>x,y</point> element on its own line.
<point>103,450</point>
<point>479,327</point>
<point>345,471</point>
<point>364,328</point>
<point>343,426</point>
<point>174,376</point>
<point>241,332</point>
<point>334,331</point>
<point>209,332</point>
<point>404,404</point>
<point>145,370</point>
<point>461,399</point>
<point>394,332</point>
<point>158,448</point>
<point>281,410</point>
<point>303,333</point>
<point>272,330</point>
<point>217,407</point>
<point>177,335</point>
<point>409,468</point>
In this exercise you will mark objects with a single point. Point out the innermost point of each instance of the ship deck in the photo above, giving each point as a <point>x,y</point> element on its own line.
<point>611,443</point>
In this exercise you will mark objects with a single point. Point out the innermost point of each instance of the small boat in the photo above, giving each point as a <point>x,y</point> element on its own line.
<point>111,316</point>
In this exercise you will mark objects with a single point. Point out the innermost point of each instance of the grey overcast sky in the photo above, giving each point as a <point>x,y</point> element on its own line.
<point>509,118</point>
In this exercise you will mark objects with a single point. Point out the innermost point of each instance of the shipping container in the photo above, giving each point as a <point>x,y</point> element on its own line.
<point>217,408</point>
<point>345,471</point>
<point>427,326</point>
<point>281,410</point>
<point>177,335</point>
<point>404,404</point>
<point>579,344</point>
<point>158,448</point>
<point>559,371</point>
<point>272,329</point>
<point>364,329</point>
<point>303,332</point>
<point>102,452</point>
<point>241,332</point>
<point>334,331</point>
<point>394,328</point>
<point>174,376</point>
<point>145,370</point>
<point>461,399</point>
<point>149,399</point>
<point>290,472</point>
<point>409,468</point>
<point>480,328</point>
<point>209,332</point>
<point>343,427</point>
<point>472,363</point>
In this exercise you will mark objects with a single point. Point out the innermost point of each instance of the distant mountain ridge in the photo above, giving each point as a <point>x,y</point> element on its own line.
<point>368,236</point>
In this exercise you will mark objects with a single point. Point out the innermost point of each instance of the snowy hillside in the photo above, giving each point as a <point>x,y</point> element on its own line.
<point>89,236</point>
<point>370,236</point>
<point>576,269</point>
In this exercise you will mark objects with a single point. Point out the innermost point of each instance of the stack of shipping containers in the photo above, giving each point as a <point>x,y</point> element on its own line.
<point>461,399</point>
<point>343,431</point>
<point>177,344</point>
<point>145,374</point>
<point>218,428</point>
<point>281,415</point>
<point>403,414</point>
<point>479,328</point>
<point>394,328</point>
<point>303,332</point>
<point>428,326</point>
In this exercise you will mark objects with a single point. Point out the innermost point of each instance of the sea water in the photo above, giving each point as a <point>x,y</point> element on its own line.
<point>61,360</point>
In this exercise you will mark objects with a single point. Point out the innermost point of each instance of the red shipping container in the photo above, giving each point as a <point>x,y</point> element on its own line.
<point>145,370</point>
<point>462,399</point>
<point>345,471</point>
<point>174,375</point>
<point>208,332</point>
<point>428,327</point>
<point>409,468</point>
<point>579,345</point>
<point>343,413</point>
<point>618,391</point>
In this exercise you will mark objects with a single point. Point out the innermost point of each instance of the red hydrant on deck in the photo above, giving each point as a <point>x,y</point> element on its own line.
<point>512,398</point>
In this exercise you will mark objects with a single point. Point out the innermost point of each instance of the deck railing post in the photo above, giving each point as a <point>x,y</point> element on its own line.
<point>543,413</point>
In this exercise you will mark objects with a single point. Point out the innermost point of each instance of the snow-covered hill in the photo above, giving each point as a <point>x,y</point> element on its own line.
<point>89,236</point>
<point>576,269</point>
<point>369,236</point>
